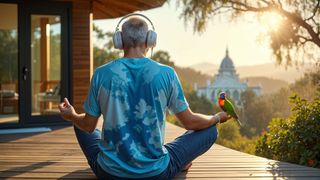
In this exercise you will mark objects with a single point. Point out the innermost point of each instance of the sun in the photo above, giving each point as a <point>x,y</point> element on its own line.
<point>271,20</point>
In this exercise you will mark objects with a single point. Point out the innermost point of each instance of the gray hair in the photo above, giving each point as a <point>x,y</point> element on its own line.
<point>134,32</point>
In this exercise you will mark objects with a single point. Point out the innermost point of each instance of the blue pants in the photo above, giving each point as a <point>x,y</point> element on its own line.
<point>182,150</point>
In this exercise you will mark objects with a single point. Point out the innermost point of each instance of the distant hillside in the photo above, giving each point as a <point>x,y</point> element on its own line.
<point>268,85</point>
<point>206,68</point>
<point>191,76</point>
<point>269,70</point>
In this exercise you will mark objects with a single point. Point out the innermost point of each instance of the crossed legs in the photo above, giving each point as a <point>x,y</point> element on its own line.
<point>182,151</point>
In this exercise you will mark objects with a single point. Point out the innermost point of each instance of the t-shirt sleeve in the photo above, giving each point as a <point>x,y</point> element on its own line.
<point>91,104</point>
<point>177,101</point>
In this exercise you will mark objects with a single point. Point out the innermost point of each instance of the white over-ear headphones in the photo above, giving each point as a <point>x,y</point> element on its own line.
<point>151,39</point>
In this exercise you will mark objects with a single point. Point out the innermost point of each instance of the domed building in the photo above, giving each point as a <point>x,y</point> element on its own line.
<point>226,80</point>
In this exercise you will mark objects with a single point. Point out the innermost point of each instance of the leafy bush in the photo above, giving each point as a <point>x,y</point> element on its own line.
<point>295,139</point>
<point>229,136</point>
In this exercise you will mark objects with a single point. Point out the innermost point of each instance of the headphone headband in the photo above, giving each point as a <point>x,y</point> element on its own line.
<point>134,14</point>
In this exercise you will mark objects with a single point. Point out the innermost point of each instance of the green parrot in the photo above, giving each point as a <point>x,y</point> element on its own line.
<point>227,107</point>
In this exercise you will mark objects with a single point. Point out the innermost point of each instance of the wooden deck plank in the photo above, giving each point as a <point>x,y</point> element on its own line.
<point>56,155</point>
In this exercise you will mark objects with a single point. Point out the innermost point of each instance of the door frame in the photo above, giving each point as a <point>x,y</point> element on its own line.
<point>25,9</point>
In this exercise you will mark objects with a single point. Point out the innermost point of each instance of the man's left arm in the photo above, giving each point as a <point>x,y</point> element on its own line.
<point>83,121</point>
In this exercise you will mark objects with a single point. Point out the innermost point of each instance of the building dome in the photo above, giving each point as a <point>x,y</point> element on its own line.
<point>227,64</point>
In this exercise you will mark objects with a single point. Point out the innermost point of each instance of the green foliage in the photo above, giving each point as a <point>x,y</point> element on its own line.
<point>103,52</point>
<point>229,130</point>
<point>295,139</point>
<point>309,85</point>
<point>229,136</point>
<point>8,55</point>
<point>163,57</point>
<point>199,104</point>
<point>257,113</point>
<point>55,58</point>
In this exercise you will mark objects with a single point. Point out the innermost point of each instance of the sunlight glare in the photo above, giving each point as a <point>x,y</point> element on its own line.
<point>271,21</point>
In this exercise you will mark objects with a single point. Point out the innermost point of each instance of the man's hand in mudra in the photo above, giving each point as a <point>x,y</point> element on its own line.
<point>66,110</point>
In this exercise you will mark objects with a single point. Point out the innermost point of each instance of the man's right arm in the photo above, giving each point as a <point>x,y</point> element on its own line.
<point>196,121</point>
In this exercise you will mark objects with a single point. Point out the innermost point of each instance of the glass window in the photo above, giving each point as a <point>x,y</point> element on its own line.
<point>9,94</point>
<point>45,63</point>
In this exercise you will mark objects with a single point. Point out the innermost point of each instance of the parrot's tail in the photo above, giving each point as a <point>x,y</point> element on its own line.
<point>236,116</point>
<point>240,124</point>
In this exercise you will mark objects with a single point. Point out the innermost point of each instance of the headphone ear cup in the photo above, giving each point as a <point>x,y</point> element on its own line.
<point>117,40</point>
<point>151,39</point>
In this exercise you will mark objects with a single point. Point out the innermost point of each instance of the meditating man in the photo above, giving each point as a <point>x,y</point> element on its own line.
<point>132,94</point>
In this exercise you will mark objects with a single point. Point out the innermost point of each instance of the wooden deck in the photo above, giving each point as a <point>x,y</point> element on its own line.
<point>56,155</point>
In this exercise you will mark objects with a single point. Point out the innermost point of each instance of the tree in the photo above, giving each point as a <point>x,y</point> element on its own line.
<point>103,52</point>
<point>8,56</point>
<point>308,87</point>
<point>163,57</point>
<point>199,104</point>
<point>257,113</point>
<point>298,32</point>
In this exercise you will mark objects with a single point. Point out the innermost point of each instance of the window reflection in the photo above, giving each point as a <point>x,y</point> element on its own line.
<point>46,63</point>
<point>9,96</point>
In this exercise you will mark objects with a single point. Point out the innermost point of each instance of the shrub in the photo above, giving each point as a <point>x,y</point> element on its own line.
<point>295,139</point>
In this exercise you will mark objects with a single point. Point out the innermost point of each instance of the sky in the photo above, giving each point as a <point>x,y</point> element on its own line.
<point>187,48</point>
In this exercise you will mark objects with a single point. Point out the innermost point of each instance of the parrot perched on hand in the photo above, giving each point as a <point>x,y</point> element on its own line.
<point>227,106</point>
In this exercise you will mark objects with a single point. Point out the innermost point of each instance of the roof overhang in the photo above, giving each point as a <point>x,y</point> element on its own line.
<point>107,9</point>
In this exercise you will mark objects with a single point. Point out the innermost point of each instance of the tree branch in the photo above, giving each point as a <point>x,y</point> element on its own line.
<point>227,9</point>
<point>266,2</point>
<point>298,20</point>
<point>251,8</point>
<point>314,11</point>
<point>304,38</point>
<point>218,8</point>
<point>279,2</point>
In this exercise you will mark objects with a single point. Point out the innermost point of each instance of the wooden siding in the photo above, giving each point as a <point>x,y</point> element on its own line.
<point>81,50</point>
<point>56,155</point>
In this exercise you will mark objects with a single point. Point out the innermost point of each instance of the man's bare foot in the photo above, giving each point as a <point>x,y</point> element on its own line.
<point>186,168</point>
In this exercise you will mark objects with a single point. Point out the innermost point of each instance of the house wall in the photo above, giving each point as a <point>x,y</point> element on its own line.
<point>82,55</point>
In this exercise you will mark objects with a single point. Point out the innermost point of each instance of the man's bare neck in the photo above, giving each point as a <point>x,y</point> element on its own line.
<point>137,52</point>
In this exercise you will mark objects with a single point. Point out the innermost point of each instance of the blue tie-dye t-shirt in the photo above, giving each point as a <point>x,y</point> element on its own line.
<point>133,95</point>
